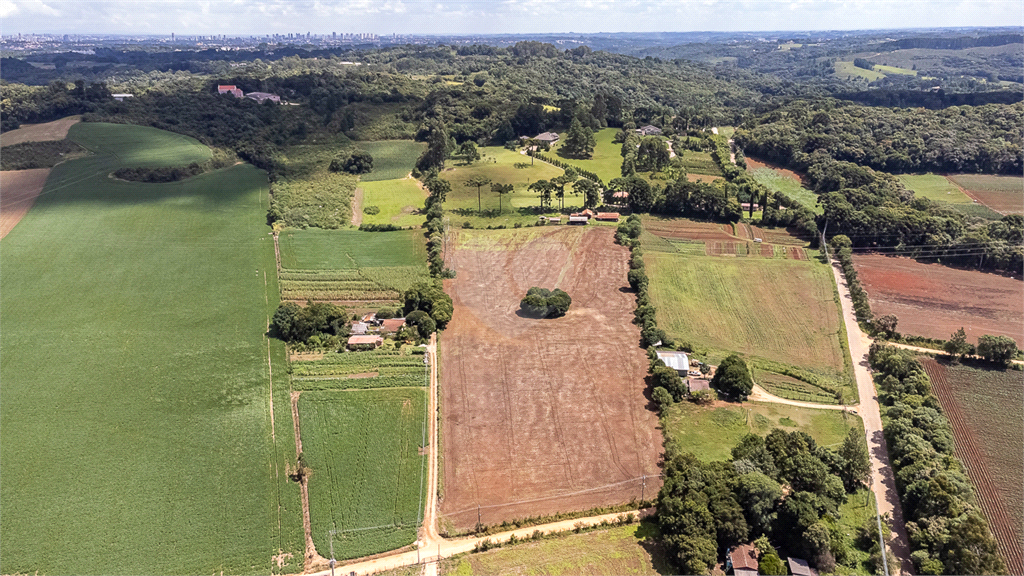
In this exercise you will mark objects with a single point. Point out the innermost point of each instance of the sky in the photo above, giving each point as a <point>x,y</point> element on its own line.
<point>258,17</point>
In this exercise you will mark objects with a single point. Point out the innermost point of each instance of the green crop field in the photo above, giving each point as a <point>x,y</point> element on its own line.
<point>400,202</point>
<point>777,312</point>
<point>367,478</point>
<point>607,159</point>
<point>934,187</point>
<point>136,401</point>
<point>392,159</point>
<point>360,370</point>
<point>711,432</point>
<point>499,165</point>
<point>700,163</point>
<point>789,187</point>
<point>339,249</point>
<point>618,550</point>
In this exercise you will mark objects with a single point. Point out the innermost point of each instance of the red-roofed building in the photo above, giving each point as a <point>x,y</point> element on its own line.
<point>743,560</point>
<point>229,89</point>
<point>607,216</point>
<point>392,325</point>
<point>367,342</point>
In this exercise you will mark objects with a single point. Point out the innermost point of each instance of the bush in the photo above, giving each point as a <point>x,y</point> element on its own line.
<point>379,227</point>
<point>355,162</point>
<point>371,210</point>
<point>732,378</point>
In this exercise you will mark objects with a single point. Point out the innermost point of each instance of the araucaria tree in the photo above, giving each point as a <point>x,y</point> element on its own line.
<point>479,182</point>
<point>543,188</point>
<point>501,190</point>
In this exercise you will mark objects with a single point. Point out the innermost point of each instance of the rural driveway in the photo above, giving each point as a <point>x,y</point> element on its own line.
<point>759,394</point>
<point>883,484</point>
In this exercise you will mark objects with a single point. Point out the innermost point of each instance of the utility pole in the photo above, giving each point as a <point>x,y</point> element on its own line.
<point>331,534</point>
<point>643,487</point>
<point>881,539</point>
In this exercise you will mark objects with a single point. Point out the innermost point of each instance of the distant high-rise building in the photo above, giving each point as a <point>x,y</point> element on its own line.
<point>172,36</point>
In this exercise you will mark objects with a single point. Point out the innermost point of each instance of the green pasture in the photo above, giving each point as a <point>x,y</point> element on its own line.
<point>618,550</point>
<point>711,432</point>
<point>392,159</point>
<point>934,187</point>
<point>367,479</point>
<point>500,165</point>
<point>844,69</point>
<point>895,70</point>
<point>728,131</point>
<point>339,249</point>
<point>607,159</point>
<point>136,402</point>
<point>775,310</point>
<point>400,202</point>
<point>792,189</point>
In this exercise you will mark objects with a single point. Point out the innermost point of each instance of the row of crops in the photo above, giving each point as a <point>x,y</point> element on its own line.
<point>358,284</point>
<point>360,370</point>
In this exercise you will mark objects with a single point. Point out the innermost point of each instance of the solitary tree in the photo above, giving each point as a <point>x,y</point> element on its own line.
<point>501,190</point>
<point>439,188</point>
<point>732,378</point>
<point>560,182</point>
<point>479,182</point>
<point>543,188</point>
<point>591,192</point>
<point>957,346</point>
<point>469,152</point>
<point>857,468</point>
<point>999,349</point>
<point>887,324</point>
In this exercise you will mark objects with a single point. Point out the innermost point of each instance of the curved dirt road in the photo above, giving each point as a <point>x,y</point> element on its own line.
<point>759,394</point>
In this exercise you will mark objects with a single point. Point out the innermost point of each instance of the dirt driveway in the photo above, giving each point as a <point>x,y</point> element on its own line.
<point>543,416</point>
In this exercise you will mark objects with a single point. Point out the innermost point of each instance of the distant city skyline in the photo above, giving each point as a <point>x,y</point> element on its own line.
<point>467,17</point>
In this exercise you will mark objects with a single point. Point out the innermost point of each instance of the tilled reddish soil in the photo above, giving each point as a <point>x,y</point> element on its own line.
<point>18,191</point>
<point>543,416</point>
<point>992,457</point>
<point>933,300</point>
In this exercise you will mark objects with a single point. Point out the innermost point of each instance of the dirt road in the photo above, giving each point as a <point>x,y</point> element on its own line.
<point>934,351</point>
<point>759,394</point>
<point>883,484</point>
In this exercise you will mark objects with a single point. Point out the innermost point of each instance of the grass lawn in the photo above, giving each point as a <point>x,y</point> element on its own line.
<point>728,131</point>
<point>788,187</point>
<point>619,550</point>
<point>934,187</point>
<point>136,426</point>
<point>777,309</point>
<point>711,432</point>
<point>367,477</point>
<point>895,70</point>
<point>607,159</point>
<point>340,249</point>
<point>391,158</point>
<point>399,201</point>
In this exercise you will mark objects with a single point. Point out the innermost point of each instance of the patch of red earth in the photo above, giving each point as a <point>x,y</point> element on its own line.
<point>754,164</point>
<point>794,253</point>
<point>544,416</point>
<point>18,192</point>
<point>778,236</point>
<point>934,301</point>
<point>767,250</point>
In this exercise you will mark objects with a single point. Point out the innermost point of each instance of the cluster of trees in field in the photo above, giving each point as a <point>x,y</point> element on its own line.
<point>33,104</point>
<point>427,306</point>
<point>318,324</point>
<point>28,155</point>
<point>956,139</point>
<point>996,349</point>
<point>544,303</point>
<point>221,159</point>
<point>948,533</point>
<point>784,488</point>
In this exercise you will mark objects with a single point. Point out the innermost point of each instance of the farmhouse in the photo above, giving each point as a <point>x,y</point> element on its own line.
<point>746,206</point>
<point>229,89</point>
<point>121,97</point>
<point>262,97</point>
<point>359,328</point>
<point>649,131</point>
<point>799,567</point>
<point>392,325</point>
<point>743,560</point>
<point>620,195</point>
<point>607,216</point>
<point>578,219</point>
<point>547,137</point>
<point>371,318</point>
<point>366,342</point>
<point>588,213</point>
<point>677,361</point>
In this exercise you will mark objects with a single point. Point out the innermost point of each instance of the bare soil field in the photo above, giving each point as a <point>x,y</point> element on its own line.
<point>933,300</point>
<point>994,455</point>
<point>1004,194</point>
<point>720,239</point>
<point>705,178</point>
<point>18,191</point>
<point>56,130</point>
<point>543,416</point>
<point>778,236</point>
<point>688,229</point>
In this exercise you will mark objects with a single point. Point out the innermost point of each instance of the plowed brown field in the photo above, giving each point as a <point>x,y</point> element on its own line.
<point>1004,194</point>
<point>56,130</point>
<point>543,416</point>
<point>933,300</point>
<point>985,410</point>
<point>18,191</point>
